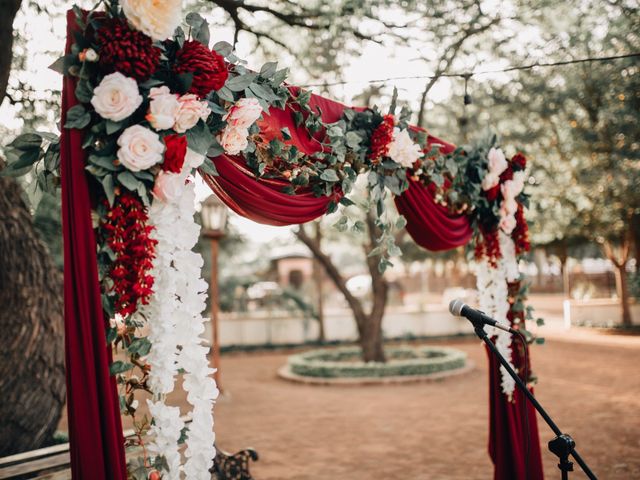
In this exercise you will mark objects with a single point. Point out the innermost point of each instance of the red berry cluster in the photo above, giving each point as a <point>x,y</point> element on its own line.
<point>520,234</point>
<point>127,234</point>
<point>208,67</point>
<point>127,51</point>
<point>381,138</point>
<point>488,246</point>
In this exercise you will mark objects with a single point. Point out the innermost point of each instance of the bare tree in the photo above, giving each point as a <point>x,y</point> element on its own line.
<point>32,382</point>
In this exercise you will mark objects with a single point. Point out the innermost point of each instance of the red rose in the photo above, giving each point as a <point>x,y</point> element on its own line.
<point>127,51</point>
<point>506,175</point>
<point>519,161</point>
<point>175,152</point>
<point>208,67</point>
<point>492,193</point>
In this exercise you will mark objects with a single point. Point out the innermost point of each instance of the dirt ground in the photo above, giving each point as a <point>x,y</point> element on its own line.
<point>589,383</point>
<point>430,430</point>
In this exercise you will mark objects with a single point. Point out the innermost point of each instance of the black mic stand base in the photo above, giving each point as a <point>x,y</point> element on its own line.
<point>563,445</point>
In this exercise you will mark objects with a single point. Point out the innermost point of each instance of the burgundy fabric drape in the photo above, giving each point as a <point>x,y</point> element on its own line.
<point>95,429</point>
<point>509,440</point>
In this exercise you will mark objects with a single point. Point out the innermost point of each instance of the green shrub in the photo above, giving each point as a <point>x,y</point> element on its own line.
<point>402,361</point>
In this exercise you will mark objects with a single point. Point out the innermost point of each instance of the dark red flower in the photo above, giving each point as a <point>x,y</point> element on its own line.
<point>126,232</point>
<point>127,51</point>
<point>174,153</point>
<point>492,193</point>
<point>381,138</point>
<point>208,67</point>
<point>506,175</point>
<point>519,161</point>
<point>488,246</point>
<point>520,234</point>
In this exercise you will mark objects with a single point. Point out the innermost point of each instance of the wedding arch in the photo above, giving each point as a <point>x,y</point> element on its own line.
<point>144,106</point>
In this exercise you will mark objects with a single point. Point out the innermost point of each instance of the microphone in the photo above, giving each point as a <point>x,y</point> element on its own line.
<point>460,309</point>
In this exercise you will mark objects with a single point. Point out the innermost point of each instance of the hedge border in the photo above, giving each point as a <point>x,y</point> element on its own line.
<point>431,360</point>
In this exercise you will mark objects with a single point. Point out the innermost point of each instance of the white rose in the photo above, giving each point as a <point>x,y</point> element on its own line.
<point>191,110</point>
<point>403,150</point>
<point>497,161</point>
<point>158,19</point>
<point>507,223</point>
<point>168,186</point>
<point>117,97</point>
<point>234,140</point>
<point>140,148</point>
<point>489,181</point>
<point>244,113</point>
<point>193,159</point>
<point>163,108</point>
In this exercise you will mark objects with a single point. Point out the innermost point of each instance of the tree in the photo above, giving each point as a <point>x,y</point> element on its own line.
<point>579,123</point>
<point>32,382</point>
<point>369,324</point>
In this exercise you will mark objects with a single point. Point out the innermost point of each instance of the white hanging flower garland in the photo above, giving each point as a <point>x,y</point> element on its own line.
<point>175,325</point>
<point>493,293</point>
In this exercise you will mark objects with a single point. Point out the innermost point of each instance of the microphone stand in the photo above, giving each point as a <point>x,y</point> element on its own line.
<point>562,445</point>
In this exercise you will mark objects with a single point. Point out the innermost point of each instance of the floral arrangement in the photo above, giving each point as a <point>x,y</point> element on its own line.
<point>155,104</point>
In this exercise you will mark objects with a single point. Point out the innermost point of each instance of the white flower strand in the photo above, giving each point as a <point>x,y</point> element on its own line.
<point>175,326</point>
<point>493,294</point>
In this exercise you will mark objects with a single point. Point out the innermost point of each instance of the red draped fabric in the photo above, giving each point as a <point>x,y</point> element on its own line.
<point>512,435</point>
<point>93,411</point>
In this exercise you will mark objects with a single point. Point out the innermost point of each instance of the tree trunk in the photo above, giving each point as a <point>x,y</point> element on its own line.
<point>622,288</point>
<point>369,325</point>
<point>9,8</point>
<point>620,261</point>
<point>32,378</point>
<point>317,276</point>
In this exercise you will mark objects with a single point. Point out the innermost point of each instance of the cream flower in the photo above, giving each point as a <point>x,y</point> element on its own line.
<point>140,148</point>
<point>117,97</point>
<point>193,159</point>
<point>191,110</point>
<point>497,161</point>
<point>163,108</point>
<point>403,149</point>
<point>508,223</point>
<point>156,18</point>
<point>168,186</point>
<point>234,140</point>
<point>244,113</point>
<point>489,181</point>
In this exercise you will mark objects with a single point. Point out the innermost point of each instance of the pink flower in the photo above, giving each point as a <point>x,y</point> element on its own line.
<point>116,97</point>
<point>244,113</point>
<point>169,187</point>
<point>234,140</point>
<point>140,148</point>
<point>490,181</point>
<point>191,110</point>
<point>507,223</point>
<point>497,161</point>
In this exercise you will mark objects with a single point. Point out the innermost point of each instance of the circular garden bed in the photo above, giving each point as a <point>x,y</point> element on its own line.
<point>344,365</point>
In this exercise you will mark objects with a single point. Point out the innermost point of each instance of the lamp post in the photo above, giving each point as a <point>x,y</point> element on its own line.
<point>214,221</point>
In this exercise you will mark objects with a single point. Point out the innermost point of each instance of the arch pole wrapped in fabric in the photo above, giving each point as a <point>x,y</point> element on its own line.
<point>93,409</point>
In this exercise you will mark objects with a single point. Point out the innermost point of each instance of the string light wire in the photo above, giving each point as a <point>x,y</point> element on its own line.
<point>468,75</point>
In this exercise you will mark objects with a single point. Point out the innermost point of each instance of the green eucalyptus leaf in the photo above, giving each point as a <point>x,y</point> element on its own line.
<point>330,175</point>
<point>127,179</point>
<point>109,188</point>
<point>77,117</point>
<point>239,83</point>
<point>268,70</point>
<point>119,367</point>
